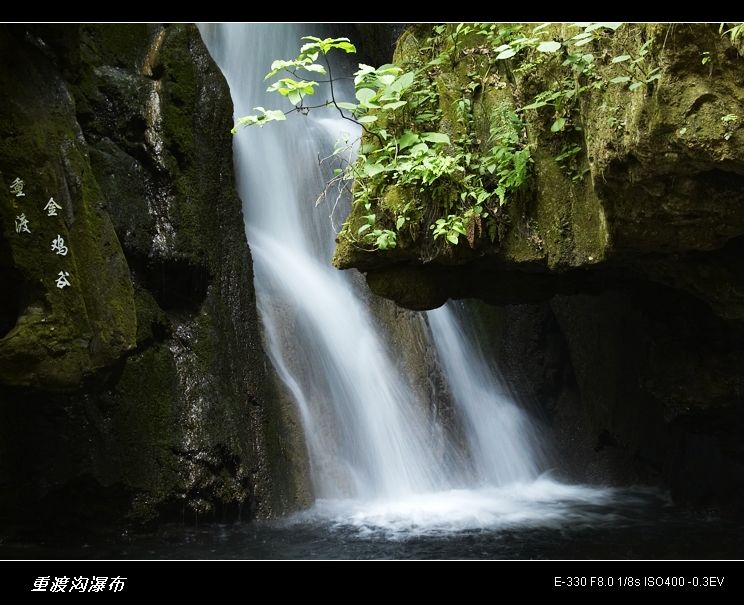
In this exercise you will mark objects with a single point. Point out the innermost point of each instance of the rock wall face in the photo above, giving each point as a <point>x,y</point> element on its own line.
<point>140,391</point>
<point>627,260</point>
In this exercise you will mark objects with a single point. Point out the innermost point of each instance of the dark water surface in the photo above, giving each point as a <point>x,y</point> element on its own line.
<point>635,525</point>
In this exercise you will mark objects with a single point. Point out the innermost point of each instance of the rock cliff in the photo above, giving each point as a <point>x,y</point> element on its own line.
<point>140,391</point>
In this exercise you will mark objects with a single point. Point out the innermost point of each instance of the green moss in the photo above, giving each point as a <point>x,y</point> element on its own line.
<point>151,320</point>
<point>72,332</point>
<point>408,47</point>
<point>448,89</point>
<point>145,428</point>
<point>121,44</point>
<point>393,199</point>
<point>178,92</point>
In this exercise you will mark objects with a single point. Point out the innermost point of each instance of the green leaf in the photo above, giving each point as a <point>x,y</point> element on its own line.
<point>635,86</point>
<point>281,64</point>
<point>388,68</point>
<point>365,95</point>
<point>364,70</point>
<point>363,228</point>
<point>346,46</point>
<point>549,47</point>
<point>366,119</point>
<point>592,26</point>
<point>535,105</point>
<point>315,67</point>
<point>373,169</point>
<point>585,35</point>
<point>621,58</point>
<point>345,105</point>
<point>400,222</point>
<point>620,80</point>
<point>508,53</point>
<point>436,137</point>
<point>394,105</point>
<point>420,148</point>
<point>403,82</point>
<point>245,121</point>
<point>274,115</point>
<point>386,239</point>
<point>326,45</point>
<point>278,65</point>
<point>453,237</point>
<point>558,125</point>
<point>407,139</point>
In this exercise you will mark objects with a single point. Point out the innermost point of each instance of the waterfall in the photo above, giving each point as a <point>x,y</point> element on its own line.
<point>377,455</point>
<point>504,445</point>
<point>367,434</point>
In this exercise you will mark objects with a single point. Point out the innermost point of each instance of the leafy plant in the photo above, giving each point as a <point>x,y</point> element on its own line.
<point>735,32</point>
<point>450,227</point>
<point>637,71</point>
<point>415,168</point>
<point>729,123</point>
<point>567,160</point>
<point>296,90</point>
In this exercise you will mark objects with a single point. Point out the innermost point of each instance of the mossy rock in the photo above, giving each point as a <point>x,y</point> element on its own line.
<point>143,388</point>
<point>60,335</point>
<point>658,172</point>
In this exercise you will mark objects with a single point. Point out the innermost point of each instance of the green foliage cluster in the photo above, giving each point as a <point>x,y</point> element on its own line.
<point>417,167</point>
<point>735,32</point>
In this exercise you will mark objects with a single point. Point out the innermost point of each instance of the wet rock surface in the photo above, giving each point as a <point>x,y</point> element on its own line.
<point>141,391</point>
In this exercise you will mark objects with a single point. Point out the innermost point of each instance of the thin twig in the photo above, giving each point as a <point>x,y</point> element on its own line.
<point>340,111</point>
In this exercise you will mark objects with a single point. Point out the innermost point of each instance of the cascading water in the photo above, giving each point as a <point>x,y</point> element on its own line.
<point>377,456</point>
<point>366,436</point>
<point>502,440</point>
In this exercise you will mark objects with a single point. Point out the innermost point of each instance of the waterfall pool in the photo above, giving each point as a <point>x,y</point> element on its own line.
<point>544,520</point>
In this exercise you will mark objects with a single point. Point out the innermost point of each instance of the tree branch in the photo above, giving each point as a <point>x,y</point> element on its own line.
<point>341,111</point>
